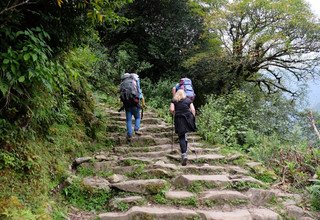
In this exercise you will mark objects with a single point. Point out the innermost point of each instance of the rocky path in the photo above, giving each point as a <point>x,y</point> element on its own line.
<point>148,182</point>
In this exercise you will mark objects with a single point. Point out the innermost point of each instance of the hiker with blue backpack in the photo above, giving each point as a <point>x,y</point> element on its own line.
<point>132,99</point>
<point>185,84</point>
<point>184,112</point>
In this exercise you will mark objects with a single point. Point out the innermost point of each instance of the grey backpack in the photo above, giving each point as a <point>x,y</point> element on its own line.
<point>129,93</point>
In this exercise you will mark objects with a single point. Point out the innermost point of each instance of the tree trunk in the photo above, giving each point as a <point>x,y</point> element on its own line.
<point>313,124</point>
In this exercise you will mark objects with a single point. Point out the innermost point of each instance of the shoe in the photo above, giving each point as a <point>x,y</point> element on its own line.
<point>129,139</point>
<point>184,159</point>
<point>139,133</point>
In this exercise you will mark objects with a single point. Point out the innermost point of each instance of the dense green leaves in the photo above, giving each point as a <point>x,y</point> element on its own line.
<point>162,34</point>
<point>234,118</point>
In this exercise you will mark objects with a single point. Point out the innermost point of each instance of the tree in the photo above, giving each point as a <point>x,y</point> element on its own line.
<point>162,33</point>
<point>265,42</point>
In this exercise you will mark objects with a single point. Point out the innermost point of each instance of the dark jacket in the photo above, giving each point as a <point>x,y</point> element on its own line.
<point>184,120</point>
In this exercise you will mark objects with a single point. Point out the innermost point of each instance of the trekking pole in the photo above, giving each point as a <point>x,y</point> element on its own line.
<point>194,148</point>
<point>172,136</point>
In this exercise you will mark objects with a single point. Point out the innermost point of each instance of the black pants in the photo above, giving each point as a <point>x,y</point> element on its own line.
<point>183,143</point>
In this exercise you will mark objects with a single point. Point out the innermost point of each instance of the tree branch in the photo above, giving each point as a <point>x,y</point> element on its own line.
<point>313,124</point>
<point>15,5</point>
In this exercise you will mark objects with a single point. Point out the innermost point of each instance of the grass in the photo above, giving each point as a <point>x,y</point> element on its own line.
<point>234,202</point>
<point>86,198</point>
<point>199,186</point>
<point>243,186</point>
<point>132,162</point>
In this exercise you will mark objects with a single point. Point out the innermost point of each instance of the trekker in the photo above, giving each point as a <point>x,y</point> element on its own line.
<point>186,85</point>
<point>184,120</point>
<point>131,97</point>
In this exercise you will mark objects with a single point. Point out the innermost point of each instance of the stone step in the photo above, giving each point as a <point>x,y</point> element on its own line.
<point>115,203</point>
<point>149,186</point>
<point>161,146</point>
<point>215,180</point>
<point>153,154</point>
<point>155,128</point>
<point>146,120</point>
<point>142,140</point>
<point>200,169</point>
<point>221,196</point>
<point>115,113</point>
<point>145,213</point>
<point>242,179</point>
<point>209,169</point>
<point>122,124</point>
<point>164,165</point>
<point>158,173</point>
<point>169,213</point>
<point>190,136</point>
<point>134,160</point>
<point>179,195</point>
<point>220,215</point>
<point>264,214</point>
<point>202,158</point>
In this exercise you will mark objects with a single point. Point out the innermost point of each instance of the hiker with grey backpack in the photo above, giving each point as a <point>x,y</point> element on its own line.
<point>133,101</point>
<point>184,112</point>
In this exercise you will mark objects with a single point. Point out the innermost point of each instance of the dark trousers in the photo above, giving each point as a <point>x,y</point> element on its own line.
<point>183,143</point>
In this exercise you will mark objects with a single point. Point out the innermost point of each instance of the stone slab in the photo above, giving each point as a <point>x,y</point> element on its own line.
<point>186,180</point>
<point>150,186</point>
<point>179,195</point>
<point>143,213</point>
<point>225,195</point>
<point>264,214</point>
<point>198,157</point>
<point>233,215</point>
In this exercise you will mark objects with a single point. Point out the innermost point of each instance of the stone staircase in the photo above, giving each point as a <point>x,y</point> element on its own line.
<point>149,183</point>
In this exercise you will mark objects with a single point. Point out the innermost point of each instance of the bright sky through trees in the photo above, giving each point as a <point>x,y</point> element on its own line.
<point>314,93</point>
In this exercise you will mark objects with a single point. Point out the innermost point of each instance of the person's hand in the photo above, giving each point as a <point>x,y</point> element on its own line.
<point>143,104</point>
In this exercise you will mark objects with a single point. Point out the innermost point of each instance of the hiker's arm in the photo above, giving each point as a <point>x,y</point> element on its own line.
<point>193,110</point>
<point>172,108</point>
<point>174,90</point>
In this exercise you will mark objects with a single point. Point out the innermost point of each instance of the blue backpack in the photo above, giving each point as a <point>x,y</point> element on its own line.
<point>186,85</point>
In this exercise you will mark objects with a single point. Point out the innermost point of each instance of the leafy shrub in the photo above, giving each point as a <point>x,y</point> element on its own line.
<point>239,118</point>
<point>85,198</point>
<point>314,191</point>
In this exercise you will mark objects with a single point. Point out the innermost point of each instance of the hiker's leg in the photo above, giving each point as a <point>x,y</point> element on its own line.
<point>186,138</point>
<point>129,121</point>
<point>137,118</point>
<point>183,146</point>
<point>183,143</point>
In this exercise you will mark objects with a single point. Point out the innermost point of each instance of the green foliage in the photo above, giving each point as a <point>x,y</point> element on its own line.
<point>245,185</point>
<point>12,208</point>
<point>230,119</point>
<point>161,36</point>
<point>295,163</point>
<point>199,186</point>
<point>85,198</point>
<point>139,169</point>
<point>27,71</point>
<point>314,191</point>
<point>158,96</point>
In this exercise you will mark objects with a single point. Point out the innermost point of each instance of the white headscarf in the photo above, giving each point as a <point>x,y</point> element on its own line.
<point>124,76</point>
<point>135,76</point>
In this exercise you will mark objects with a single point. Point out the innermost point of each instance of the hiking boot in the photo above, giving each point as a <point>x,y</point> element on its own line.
<point>139,133</point>
<point>129,139</point>
<point>184,159</point>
